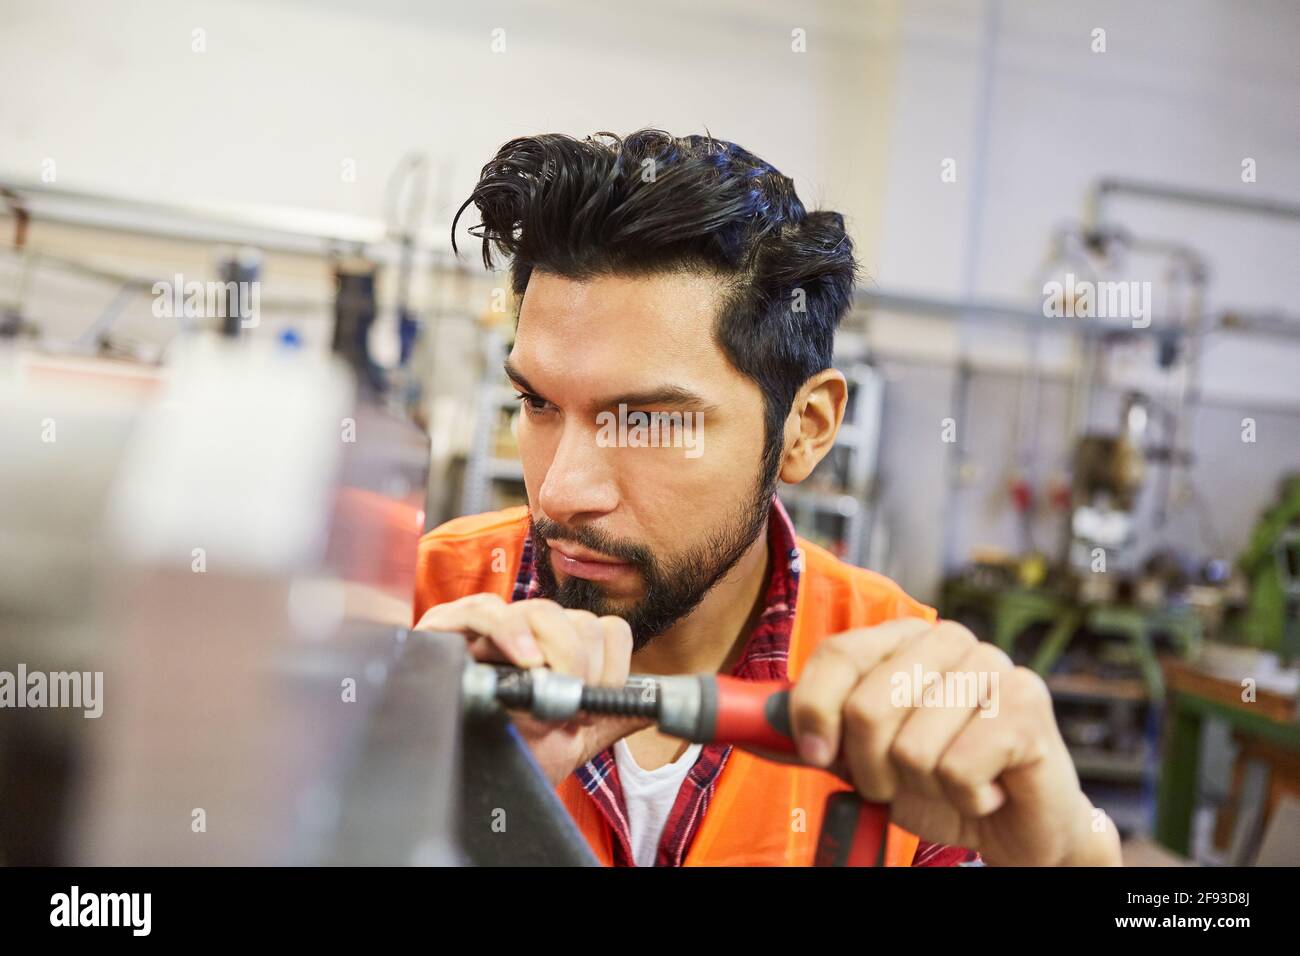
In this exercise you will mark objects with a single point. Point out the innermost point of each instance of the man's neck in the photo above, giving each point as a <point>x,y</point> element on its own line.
<point>710,639</point>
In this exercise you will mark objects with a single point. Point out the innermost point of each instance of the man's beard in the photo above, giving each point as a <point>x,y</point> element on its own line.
<point>673,589</point>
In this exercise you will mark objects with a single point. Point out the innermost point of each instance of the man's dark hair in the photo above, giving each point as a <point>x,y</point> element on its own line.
<point>651,203</point>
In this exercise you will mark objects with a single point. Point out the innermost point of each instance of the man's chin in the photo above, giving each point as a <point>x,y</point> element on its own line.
<point>625,592</point>
<point>594,596</point>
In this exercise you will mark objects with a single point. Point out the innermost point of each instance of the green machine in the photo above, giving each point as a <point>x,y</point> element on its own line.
<point>1271,562</point>
<point>1288,571</point>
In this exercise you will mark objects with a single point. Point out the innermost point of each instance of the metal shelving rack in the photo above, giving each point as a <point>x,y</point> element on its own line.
<point>483,469</point>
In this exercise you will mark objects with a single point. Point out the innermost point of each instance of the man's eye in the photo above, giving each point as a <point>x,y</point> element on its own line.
<point>532,404</point>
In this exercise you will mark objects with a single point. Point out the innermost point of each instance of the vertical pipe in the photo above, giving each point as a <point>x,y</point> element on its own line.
<point>970,269</point>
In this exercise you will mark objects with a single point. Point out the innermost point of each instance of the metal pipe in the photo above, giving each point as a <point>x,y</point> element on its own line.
<point>1229,202</point>
<point>1160,326</point>
<point>1065,378</point>
<point>276,230</point>
<point>980,131</point>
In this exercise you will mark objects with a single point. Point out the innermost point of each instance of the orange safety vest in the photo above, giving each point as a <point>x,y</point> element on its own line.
<point>762,813</point>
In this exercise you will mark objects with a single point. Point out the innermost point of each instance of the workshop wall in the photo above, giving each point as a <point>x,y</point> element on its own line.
<point>234,123</point>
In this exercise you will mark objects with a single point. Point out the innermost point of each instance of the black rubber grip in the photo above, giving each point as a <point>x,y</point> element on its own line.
<point>622,701</point>
<point>777,711</point>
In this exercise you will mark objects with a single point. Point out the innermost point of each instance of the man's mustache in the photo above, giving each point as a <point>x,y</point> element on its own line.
<point>544,530</point>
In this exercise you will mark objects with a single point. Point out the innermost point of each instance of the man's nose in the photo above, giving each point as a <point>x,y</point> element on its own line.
<point>580,483</point>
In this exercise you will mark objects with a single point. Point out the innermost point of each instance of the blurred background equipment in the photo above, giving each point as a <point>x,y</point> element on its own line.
<point>1271,564</point>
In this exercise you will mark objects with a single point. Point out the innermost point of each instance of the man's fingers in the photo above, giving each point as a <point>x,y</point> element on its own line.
<point>541,633</point>
<point>590,645</point>
<point>927,731</point>
<point>616,635</point>
<point>476,612</point>
<point>538,633</point>
<point>475,616</point>
<point>817,700</point>
<point>988,748</point>
<point>968,771</point>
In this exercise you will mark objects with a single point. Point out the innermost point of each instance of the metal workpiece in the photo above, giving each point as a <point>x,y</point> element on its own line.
<point>478,688</point>
<point>501,779</point>
<point>397,801</point>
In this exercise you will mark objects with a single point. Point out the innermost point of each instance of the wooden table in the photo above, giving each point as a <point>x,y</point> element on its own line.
<point>1193,695</point>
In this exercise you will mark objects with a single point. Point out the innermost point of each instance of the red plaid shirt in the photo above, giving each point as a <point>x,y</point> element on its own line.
<point>764,658</point>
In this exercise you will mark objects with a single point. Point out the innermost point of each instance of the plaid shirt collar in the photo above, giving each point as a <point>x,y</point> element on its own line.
<point>764,657</point>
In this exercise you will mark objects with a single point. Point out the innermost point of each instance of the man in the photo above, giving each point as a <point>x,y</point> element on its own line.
<point>680,281</point>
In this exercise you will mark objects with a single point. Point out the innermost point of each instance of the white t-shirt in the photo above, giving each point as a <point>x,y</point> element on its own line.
<point>650,795</point>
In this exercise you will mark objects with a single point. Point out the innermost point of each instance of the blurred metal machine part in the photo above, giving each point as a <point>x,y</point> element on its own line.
<point>231,541</point>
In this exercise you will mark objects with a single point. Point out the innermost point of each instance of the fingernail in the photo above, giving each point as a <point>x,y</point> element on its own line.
<point>530,655</point>
<point>814,750</point>
<point>989,798</point>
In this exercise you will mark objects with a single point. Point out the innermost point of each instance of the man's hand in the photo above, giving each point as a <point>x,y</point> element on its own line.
<point>990,774</point>
<point>536,633</point>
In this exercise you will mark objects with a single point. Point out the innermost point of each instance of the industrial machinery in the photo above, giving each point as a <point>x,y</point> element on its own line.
<point>225,548</point>
<point>1271,564</point>
<point>1108,472</point>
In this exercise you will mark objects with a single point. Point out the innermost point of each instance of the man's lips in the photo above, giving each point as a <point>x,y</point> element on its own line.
<point>579,562</point>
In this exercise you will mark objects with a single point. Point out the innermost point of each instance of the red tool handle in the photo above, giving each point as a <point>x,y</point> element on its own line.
<point>757,714</point>
<point>753,713</point>
<point>853,832</point>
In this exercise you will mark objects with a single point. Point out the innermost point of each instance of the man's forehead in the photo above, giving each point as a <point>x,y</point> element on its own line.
<point>653,323</point>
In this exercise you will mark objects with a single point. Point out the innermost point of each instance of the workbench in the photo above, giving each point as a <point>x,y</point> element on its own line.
<point>1193,696</point>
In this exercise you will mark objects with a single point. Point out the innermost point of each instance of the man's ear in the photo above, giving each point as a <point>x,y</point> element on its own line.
<point>813,423</point>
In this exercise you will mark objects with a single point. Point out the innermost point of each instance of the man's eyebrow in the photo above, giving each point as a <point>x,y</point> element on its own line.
<point>517,377</point>
<point>672,396</point>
